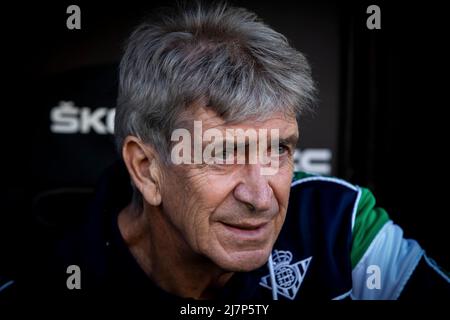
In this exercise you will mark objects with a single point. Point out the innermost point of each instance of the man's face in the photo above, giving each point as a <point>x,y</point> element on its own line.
<point>231,213</point>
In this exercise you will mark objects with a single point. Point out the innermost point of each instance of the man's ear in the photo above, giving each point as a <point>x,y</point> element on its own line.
<point>144,168</point>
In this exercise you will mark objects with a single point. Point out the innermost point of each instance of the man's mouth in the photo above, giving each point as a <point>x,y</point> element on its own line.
<point>248,231</point>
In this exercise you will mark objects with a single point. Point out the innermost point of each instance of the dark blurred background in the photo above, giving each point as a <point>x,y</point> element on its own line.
<point>380,120</point>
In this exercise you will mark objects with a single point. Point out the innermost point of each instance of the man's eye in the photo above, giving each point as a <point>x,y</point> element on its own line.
<point>223,155</point>
<point>282,149</point>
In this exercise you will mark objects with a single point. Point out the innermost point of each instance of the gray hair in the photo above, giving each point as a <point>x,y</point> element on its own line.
<point>219,54</point>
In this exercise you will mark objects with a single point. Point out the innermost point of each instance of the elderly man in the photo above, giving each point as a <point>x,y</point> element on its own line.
<point>209,206</point>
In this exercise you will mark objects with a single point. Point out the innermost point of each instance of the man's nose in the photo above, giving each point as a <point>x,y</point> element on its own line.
<point>254,189</point>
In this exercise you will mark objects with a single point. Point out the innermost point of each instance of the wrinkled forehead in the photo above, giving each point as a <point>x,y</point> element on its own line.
<point>209,119</point>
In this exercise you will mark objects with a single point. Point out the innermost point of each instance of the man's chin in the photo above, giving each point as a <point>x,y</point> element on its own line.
<point>244,261</point>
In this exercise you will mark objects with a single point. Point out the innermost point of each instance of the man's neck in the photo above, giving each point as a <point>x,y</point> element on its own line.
<point>166,258</point>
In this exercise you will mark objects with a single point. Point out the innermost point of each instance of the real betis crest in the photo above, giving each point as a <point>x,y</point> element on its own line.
<point>288,277</point>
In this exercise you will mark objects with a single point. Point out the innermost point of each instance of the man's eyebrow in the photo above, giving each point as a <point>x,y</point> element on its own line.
<point>290,140</point>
